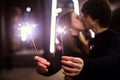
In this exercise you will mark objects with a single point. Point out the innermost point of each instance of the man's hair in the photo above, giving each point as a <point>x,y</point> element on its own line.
<point>98,9</point>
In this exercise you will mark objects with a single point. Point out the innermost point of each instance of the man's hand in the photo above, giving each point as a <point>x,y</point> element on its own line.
<point>72,66</point>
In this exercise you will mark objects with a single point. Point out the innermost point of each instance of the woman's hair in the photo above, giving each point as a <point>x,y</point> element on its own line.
<point>98,9</point>
<point>64,19</point>
<point>69,45</point>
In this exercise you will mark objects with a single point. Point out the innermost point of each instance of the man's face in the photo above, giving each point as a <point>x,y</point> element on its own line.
<point>88,22</point>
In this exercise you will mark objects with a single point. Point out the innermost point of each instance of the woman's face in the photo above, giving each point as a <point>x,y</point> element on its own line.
<point>76,22</point>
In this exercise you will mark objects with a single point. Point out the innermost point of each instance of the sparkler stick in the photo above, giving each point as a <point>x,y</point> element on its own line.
<point>61,31</point>
<point>62,43</point>
<point>34,44</point>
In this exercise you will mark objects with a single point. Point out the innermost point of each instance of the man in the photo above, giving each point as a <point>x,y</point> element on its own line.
<point>104,57</point>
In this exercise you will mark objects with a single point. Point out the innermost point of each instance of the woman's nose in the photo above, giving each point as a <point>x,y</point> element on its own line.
<point>82,18</point>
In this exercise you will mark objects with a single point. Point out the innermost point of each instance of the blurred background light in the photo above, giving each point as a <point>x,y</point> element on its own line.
<point>76,6</point>
<point>28,9</point>
<point>53,23</point>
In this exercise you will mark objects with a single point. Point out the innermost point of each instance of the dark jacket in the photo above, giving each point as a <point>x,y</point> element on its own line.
<point>104,60</point>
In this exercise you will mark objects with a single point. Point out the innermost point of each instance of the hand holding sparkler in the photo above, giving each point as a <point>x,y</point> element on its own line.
<point>42,64</point>
<point>72,66</point>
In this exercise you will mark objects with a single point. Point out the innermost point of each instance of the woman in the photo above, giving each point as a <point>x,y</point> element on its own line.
<point>73,41</point>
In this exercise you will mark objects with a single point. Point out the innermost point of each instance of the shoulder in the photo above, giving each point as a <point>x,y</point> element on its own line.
<point>114,38</point>
<point>115,35</point>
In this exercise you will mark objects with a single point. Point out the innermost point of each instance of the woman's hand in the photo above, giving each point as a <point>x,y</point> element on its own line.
<point>72,66</point>
<point>42,64</point>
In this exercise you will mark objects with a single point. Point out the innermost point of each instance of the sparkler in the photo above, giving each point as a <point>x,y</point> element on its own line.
<point>62,43</point>
<point>61,32</point>
<point>28,9</point>
<point>26,29</point>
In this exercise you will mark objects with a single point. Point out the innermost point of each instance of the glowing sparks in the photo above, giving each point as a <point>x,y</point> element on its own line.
<point>60,30</point>
<point>25,30</point>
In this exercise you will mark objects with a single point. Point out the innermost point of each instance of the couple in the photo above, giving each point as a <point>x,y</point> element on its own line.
<point>96,59</point>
